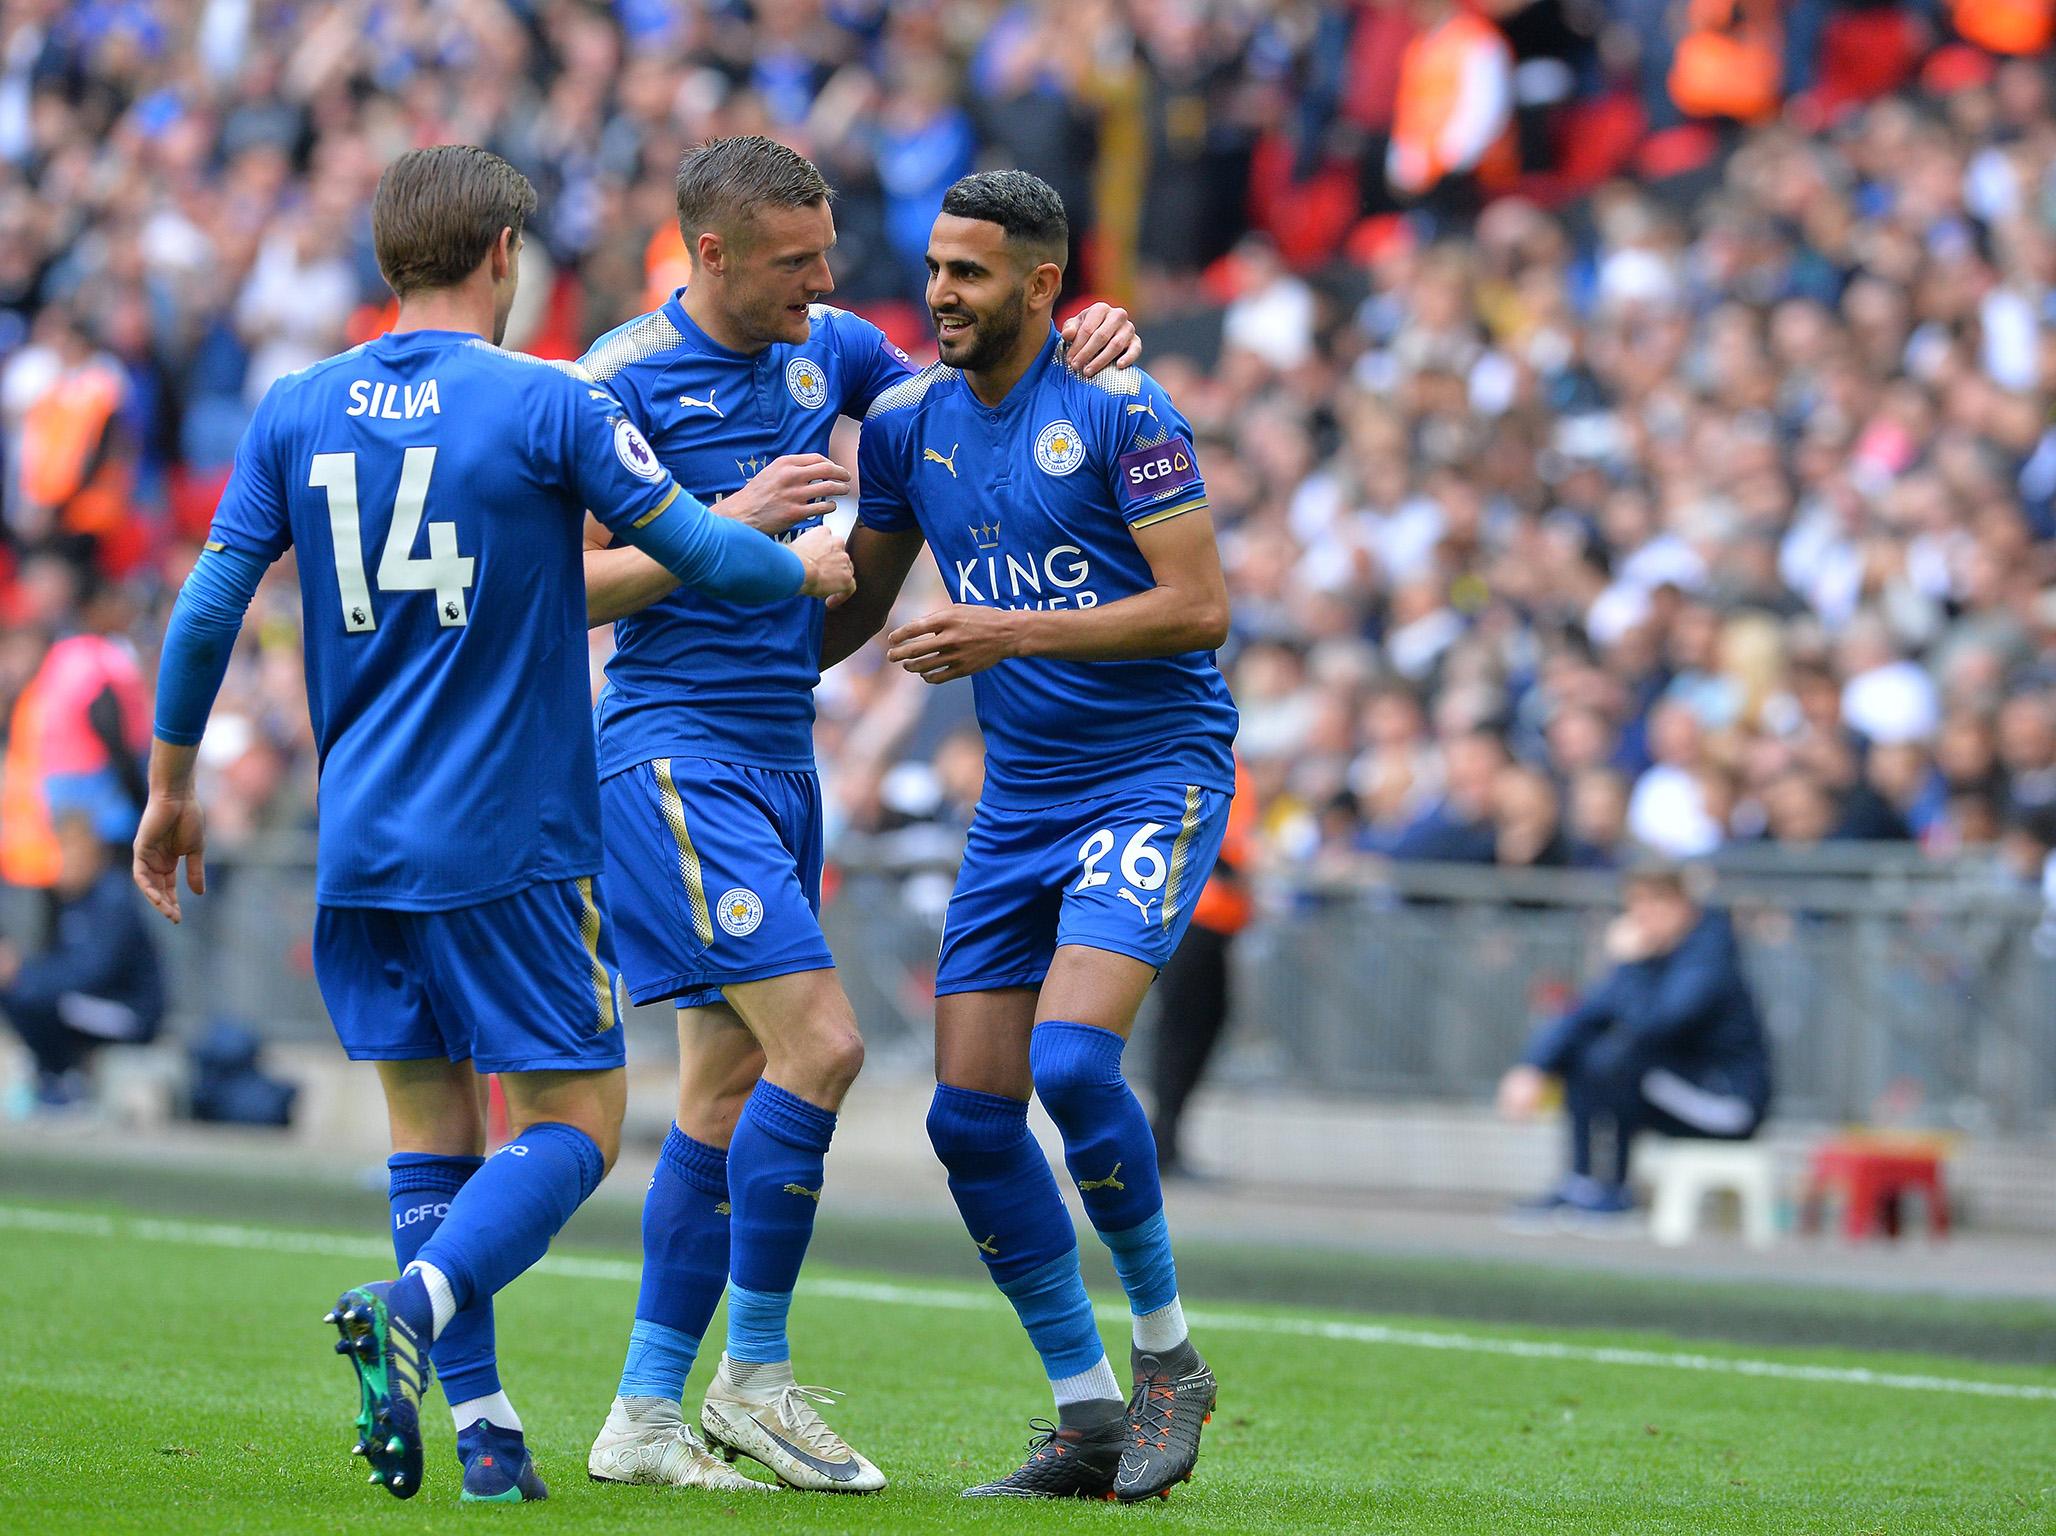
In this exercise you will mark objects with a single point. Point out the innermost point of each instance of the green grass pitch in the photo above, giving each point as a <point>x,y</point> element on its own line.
<point>170,1376</point>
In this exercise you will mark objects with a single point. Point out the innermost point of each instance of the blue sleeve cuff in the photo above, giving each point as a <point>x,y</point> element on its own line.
<point>198,641</point>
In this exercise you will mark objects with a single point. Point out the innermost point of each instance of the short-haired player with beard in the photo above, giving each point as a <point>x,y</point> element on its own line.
<point>713,814</point>
<point>1069,521</point>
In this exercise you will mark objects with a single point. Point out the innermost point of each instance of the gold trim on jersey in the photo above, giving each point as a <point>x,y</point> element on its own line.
<point>688,856</point>
<point>1179,850</point>
<point>1152,519</point>
<point>657,511</point>
<point>589,930</point>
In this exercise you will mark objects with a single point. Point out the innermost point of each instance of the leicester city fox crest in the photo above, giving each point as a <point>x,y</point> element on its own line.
<point>1058,448</point>
<point>739,912</point>
<point>807,383</point>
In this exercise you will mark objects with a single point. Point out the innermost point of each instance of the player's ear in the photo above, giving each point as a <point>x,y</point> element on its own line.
<point>713,254</point>
<point>503,253</point>
<point>1044,284</point>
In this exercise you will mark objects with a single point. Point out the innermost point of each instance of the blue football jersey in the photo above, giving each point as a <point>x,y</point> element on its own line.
<point>693,675</point>
<point>1029,504</point>
<point>435,488</point>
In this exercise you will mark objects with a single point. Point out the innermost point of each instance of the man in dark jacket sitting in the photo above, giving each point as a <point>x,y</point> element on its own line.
<point>1669,1041</point>
<point>98,982</point>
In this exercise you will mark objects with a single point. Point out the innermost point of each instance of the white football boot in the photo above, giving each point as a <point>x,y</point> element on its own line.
<point>769,1418</point>
<point>646,1440</point>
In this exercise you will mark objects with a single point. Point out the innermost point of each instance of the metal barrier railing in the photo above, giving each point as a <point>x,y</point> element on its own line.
<point>1926,987</point>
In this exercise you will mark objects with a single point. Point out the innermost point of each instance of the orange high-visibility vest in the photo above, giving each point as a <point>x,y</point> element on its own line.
<point>59,435</point>
<point>1430,84</point>
<point>29,854</point>
<point>1727,63</point>
<point>667,266</point>
<point>2006,26</point>
<point>1224,905</point>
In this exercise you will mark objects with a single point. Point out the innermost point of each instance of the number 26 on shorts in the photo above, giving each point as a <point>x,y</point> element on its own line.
<point>1141,865</point>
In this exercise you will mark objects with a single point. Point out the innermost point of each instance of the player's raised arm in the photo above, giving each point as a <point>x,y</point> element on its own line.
<point>883,545</point>
<point>620,579</point>
<point>634,497</point>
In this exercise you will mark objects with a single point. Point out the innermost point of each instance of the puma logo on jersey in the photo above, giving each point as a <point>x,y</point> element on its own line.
<point>929,455</point>
<point>990,1246</point>
<point>1138,902</point>
<point>1111,1181</point>
<point>801,1189</point>
<point>686,402</point>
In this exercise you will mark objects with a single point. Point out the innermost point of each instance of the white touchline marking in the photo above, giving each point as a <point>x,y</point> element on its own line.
<point>885,1293</point>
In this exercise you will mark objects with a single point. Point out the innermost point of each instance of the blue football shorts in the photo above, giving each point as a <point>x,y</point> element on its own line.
<point>523,984</point>
<point>1119,871</point>
<point>715,871</point>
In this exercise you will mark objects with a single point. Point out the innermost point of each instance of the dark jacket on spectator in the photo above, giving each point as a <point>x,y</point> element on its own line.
<point>101,949</point>
<point>1691,1008</point>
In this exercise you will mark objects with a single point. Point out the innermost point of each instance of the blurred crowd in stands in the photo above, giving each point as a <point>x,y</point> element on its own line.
<point>1628,423</point>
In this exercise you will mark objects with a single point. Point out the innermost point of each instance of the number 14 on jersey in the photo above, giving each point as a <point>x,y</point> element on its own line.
<point>443,571</point>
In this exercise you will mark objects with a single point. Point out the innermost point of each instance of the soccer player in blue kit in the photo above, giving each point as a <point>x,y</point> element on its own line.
<point>713,815</point>
<point>1068,518</point>
<point>434,488</point>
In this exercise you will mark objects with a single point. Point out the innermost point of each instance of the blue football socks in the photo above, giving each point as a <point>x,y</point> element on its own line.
<point>685,1265</point>
<point>1112,1156</point>
<point>1008,1198</point>
<point>775,1181</point>
<point>421,1186</point>
<point>502,1220</point>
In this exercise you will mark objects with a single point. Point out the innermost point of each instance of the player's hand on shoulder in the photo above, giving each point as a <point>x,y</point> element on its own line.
<point>955,642</point>
<point>1101,336</point>
<point>788,491</point>
<point>172,828</point>
<point>829,572</point>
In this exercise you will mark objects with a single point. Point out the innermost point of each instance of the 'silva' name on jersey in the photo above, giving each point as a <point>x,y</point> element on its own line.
<point>1009,583</point>
<point>394,402</point>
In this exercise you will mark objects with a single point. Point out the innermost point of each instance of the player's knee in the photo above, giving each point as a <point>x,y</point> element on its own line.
<point>1073,1067</point>
<point>821,1060</point>
<point>841,1057</point>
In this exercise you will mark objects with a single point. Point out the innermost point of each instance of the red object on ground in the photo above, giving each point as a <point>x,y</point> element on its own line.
<point>1873,1174</point>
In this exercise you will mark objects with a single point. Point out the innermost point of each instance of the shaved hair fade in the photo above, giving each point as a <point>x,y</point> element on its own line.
<point>723,182</point>
<point>438,211</point>
<point>1025,206</point>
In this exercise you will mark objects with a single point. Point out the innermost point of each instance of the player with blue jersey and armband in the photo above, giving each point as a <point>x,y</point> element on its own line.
<point>1068,518</point>
<point>434,488</point>
<point>712,816</point>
